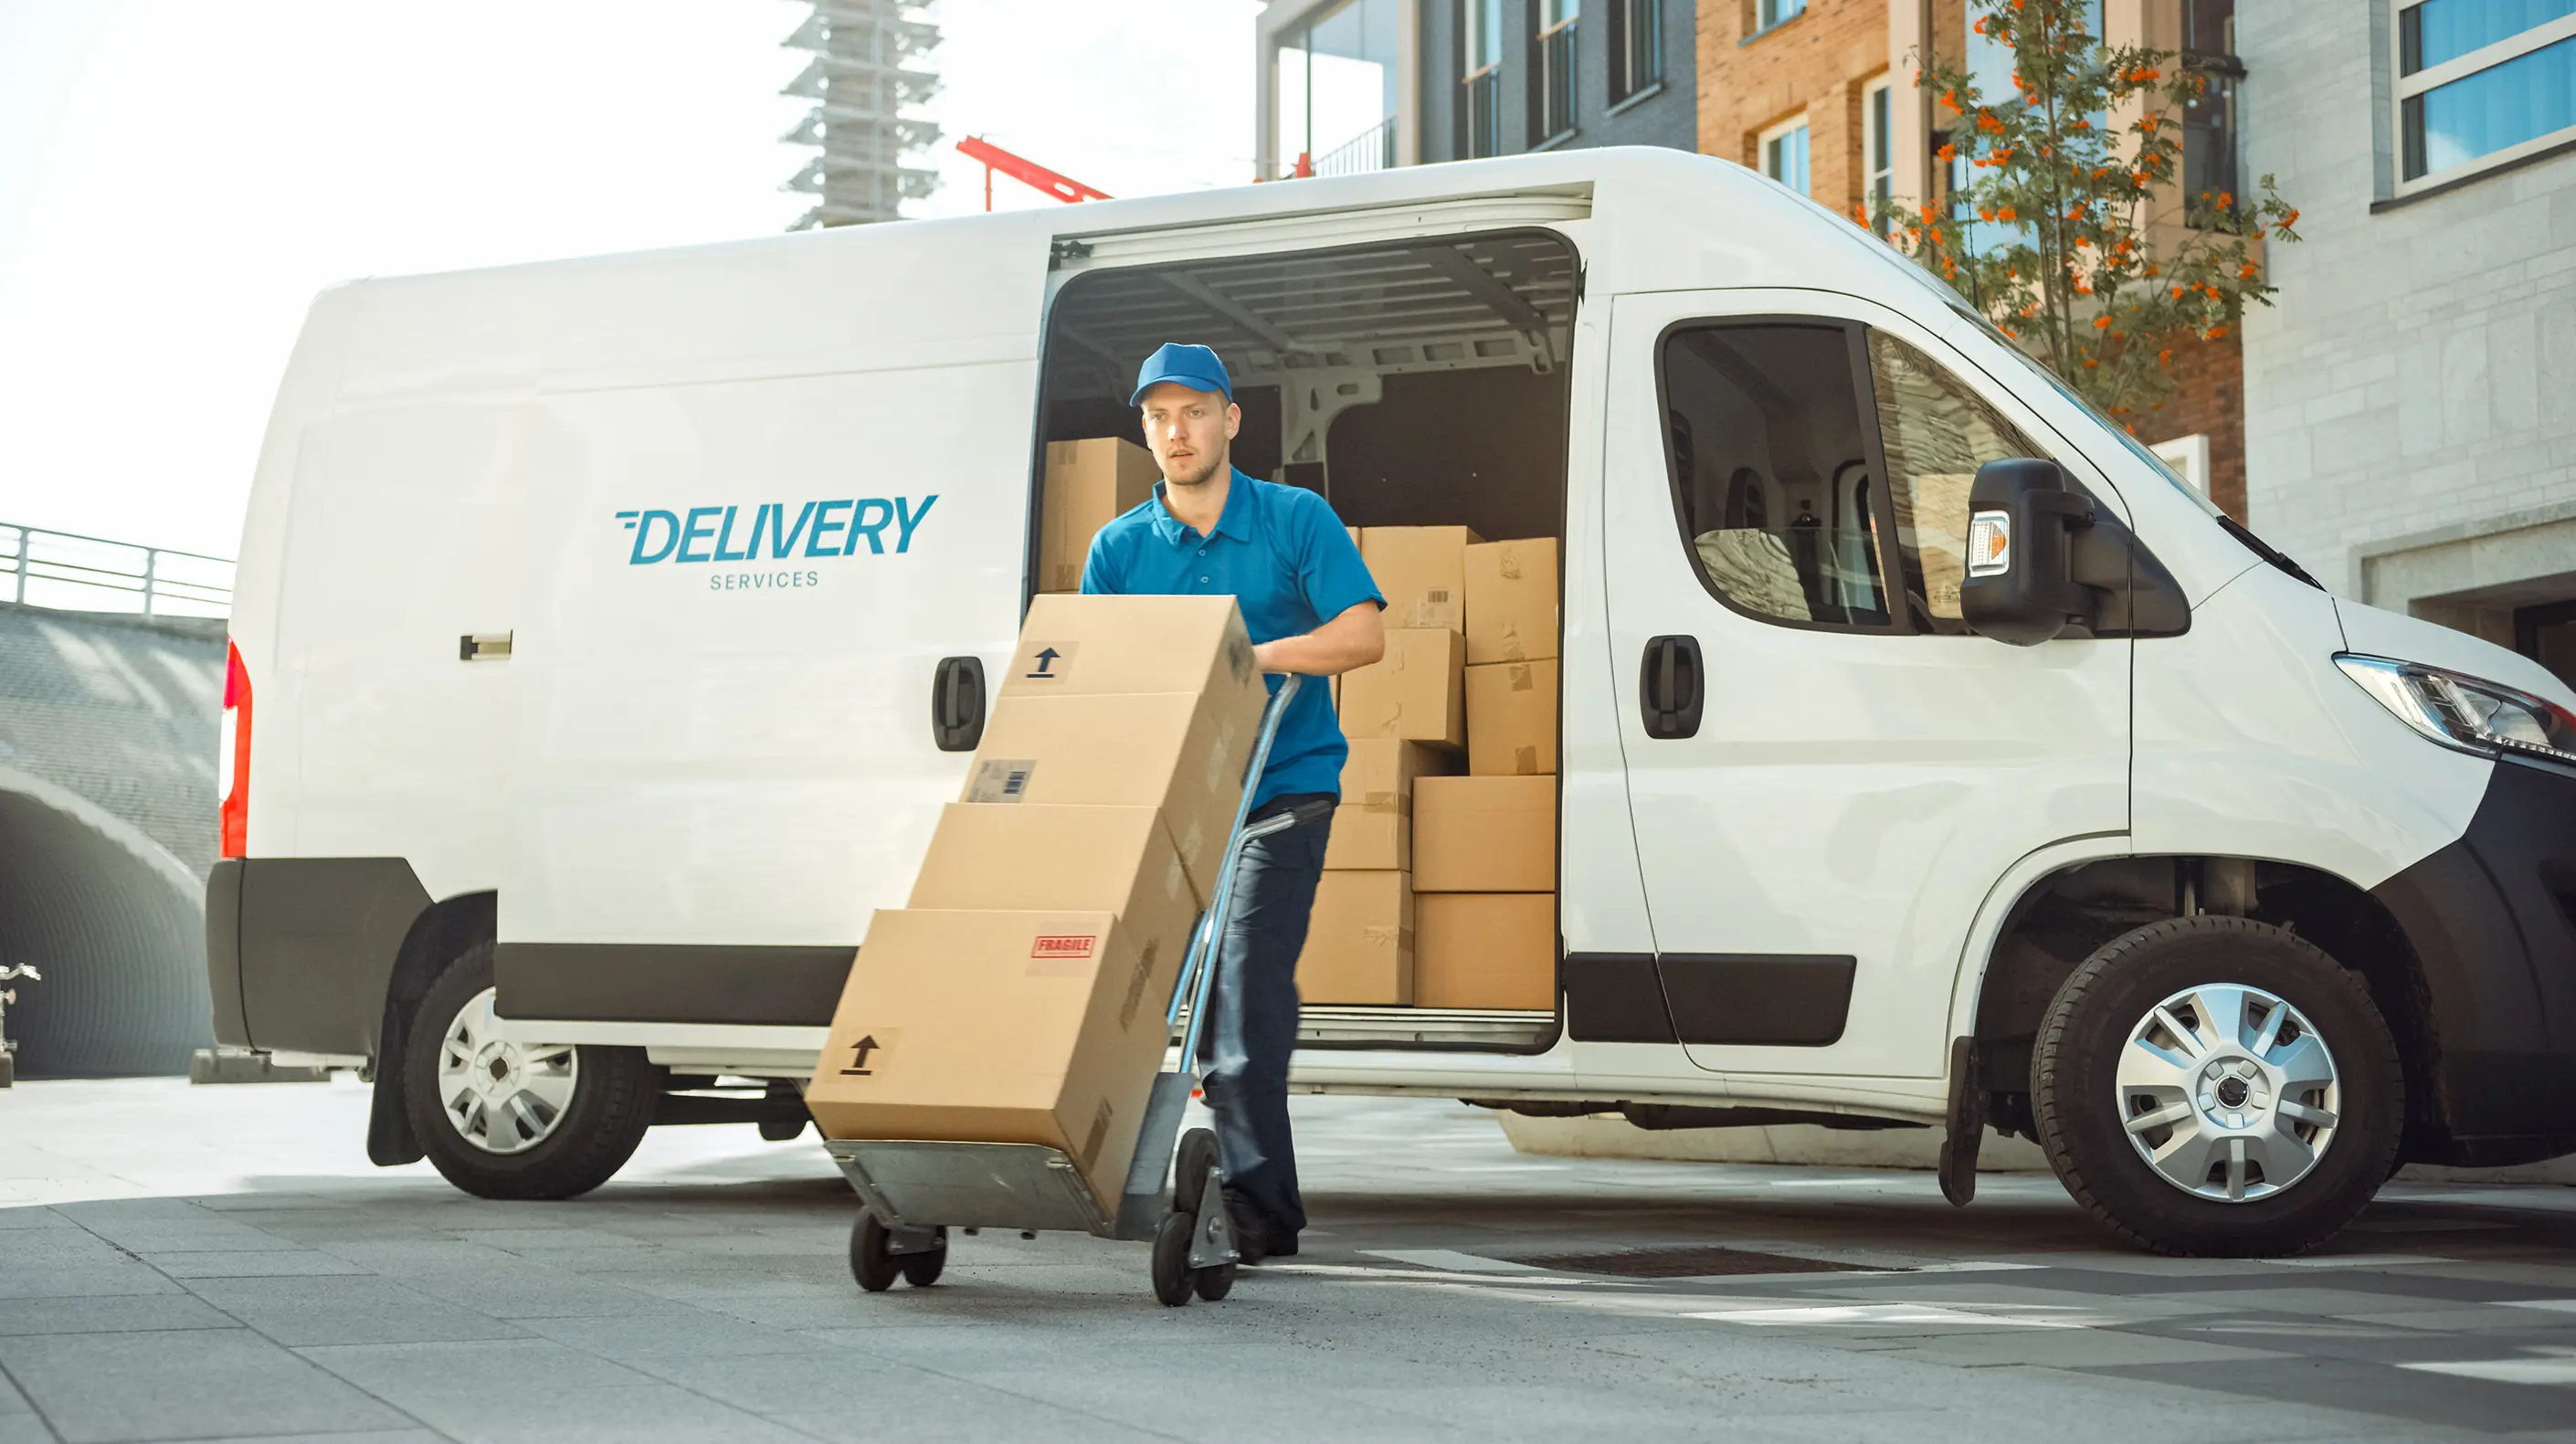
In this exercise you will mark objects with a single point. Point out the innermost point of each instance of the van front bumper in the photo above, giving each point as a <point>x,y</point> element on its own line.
<point>2492,919</point>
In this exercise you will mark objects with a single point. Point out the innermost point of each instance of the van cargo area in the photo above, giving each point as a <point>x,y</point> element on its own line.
<point>1421,384</point>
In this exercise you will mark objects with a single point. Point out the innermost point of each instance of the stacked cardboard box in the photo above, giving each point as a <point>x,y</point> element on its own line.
<point>1020,997</point>
<point>1087,484</point>
<point>1360,939</point>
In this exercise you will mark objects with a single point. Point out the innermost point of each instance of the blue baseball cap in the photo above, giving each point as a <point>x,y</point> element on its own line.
<point>1195,367</point>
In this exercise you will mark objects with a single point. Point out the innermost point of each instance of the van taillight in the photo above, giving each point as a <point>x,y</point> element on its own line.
<point>232,757</point>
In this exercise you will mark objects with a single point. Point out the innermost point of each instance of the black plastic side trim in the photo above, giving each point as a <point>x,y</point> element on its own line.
<point>318,937</point>
<point>1793,1000</point>
<point>668,983</point>
<point>223,952</point>
<point>1615,998</point>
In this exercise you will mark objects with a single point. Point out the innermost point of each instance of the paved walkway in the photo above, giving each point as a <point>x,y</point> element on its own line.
<point>182,1264</point>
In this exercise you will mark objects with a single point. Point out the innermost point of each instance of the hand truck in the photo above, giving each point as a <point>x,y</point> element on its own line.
<point>915,1191</point>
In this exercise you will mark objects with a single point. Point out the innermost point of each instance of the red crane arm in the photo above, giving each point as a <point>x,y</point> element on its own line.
<point>1026,171</point>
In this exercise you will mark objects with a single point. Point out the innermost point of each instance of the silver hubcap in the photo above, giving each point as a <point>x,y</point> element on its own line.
<point>499,1096</point>
<point>2228,1093</point>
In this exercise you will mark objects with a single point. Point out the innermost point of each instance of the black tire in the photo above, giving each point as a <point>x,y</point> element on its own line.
<point>2077,1093</point>
<point>921,1270</point>
<point>615,1093</point>
<point>1196,1155</point>
<point>1174,1280</point>
<point>1216,1283</point>
<point>870,1264</point>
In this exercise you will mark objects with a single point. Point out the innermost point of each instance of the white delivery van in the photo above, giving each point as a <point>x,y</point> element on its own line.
<point>610,632</point>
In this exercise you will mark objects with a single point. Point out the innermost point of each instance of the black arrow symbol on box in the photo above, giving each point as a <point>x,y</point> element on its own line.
<point>1046,659</point>
<point>859,1059</point>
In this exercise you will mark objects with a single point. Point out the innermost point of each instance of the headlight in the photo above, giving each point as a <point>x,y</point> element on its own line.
<point>2472,715</point>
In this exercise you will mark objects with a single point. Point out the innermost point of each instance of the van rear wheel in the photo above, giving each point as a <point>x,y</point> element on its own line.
<point>505,1120</point>
<point>2215,1085</point>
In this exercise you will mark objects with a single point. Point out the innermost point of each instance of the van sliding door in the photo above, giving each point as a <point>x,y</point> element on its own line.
<point>1827,773</point>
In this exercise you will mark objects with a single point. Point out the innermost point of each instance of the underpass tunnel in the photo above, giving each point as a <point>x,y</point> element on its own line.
<point>117,927</point>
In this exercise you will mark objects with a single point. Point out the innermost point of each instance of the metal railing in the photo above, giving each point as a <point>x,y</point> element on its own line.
<point>1480,113</point>
<point>70,572</point>
<point>1552,98</point>
<point>1372,149</point>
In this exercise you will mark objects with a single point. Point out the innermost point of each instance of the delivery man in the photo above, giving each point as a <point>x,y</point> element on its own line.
<point>1282,554</point>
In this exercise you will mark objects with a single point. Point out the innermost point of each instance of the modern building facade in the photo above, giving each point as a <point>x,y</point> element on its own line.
<point>869,63</point>
<point>1355,85</point>
<point>2409,428</point>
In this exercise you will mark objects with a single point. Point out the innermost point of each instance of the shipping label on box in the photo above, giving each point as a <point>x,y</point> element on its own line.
<point>1102,644</point>
<point>999,1027</point>
<point>1181,753</point>
<point>1057,858</point>
<point>1511,718</point>
<point>1511,601</point>
<point>1484,950</point>
<point>1484,834</point>
<point>1359,941</point>
<point>1087,485</point>
<point>1422,572</point>
<point>1415,693</point>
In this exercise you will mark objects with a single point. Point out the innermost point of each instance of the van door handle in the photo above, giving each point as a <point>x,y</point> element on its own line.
<point>1669,689</point>
<point>957,704</point>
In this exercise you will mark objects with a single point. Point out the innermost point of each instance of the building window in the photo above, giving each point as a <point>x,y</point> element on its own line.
<point>2482,83</point>
<point>1552,57</point>
<point>1336,78</point>
<point>1877,150</point>
<point>1636,47</point>
<point>1767,13</point>
<point>2209,122</point>
<point>1480,84</point>
<point>1784,154</point>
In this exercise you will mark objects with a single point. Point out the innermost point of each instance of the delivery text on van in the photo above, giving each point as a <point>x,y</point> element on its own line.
<point>822,528</point>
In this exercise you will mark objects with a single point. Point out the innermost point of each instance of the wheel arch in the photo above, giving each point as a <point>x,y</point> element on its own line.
<point>441,932</point>
<point>2066,911</point>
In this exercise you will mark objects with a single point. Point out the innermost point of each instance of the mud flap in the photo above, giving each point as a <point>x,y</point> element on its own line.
<point>1967,1124</point>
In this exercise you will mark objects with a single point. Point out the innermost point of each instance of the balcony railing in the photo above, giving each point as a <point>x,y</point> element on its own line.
<point>1552,98</point>
<point>1480,114</point>
<point>1372,149</point>
<point>70,572</point>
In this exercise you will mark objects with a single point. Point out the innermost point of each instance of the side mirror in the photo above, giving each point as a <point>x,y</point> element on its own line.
<point>2017,590</point>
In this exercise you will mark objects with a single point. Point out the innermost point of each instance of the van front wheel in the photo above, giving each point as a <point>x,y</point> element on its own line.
<point>2215,1085</point>
<point>506,1120</point>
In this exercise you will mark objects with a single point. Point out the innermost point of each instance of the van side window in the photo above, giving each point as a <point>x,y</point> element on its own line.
<point>1771,471</point>
<point>1936,433</point>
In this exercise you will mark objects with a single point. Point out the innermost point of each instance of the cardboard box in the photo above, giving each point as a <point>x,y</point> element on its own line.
<point>1484,834</point>
<point>999,1027</point>
<point>1088,483</point>
<point>1511,718</point>
<point>1485,950</point>
<point>1511,601</point>
<point>1416,693</point>
<point>1422,570</point>
<point>1061,859</point>
<point>1359,940</point>
<point>1165,750</point>
<point>1095,646</point>
<point>1373,828</point>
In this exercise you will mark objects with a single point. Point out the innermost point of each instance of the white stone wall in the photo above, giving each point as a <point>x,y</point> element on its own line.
<point>2411,400</point>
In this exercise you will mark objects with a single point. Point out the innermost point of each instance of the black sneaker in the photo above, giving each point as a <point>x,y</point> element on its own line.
<point>1279,1242</point>
<point>1251,1228</point>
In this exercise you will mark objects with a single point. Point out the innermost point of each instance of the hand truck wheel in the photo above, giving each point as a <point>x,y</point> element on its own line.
<point>870,1263</point>
<point>1197,1154</point>
<point>1174,1279</point>
<point>921,1270</point>
<point>1215,1283</point>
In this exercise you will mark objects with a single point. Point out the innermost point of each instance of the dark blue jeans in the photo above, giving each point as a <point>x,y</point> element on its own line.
<point>1252,1020</point>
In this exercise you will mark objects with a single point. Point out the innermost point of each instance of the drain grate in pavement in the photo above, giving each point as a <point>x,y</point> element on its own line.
<point>1686,1263</point>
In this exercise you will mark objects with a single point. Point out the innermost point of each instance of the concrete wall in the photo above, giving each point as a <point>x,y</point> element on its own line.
<point>2408,432</point>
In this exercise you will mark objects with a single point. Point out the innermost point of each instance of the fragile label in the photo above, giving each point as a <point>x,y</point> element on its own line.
<point>1004,779</point>
<point>1065,945</point>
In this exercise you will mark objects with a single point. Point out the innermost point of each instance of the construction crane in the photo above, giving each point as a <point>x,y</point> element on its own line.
<point>1026,171</point>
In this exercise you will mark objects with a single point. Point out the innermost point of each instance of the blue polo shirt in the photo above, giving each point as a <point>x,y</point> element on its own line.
<point>1290,566</point>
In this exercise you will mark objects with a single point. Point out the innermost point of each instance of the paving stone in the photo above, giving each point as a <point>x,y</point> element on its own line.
<point>241,1264</point>
<point>301,1311</point>
<point>154,1386</point>
<point>128,1313</point>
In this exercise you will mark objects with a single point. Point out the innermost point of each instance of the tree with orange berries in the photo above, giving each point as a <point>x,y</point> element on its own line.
<point>2049,236</point>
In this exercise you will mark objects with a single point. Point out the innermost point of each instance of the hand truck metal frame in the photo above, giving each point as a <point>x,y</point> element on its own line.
<point>915,1191</point>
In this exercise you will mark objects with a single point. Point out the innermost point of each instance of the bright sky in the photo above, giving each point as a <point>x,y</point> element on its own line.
<point>178,178</point>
